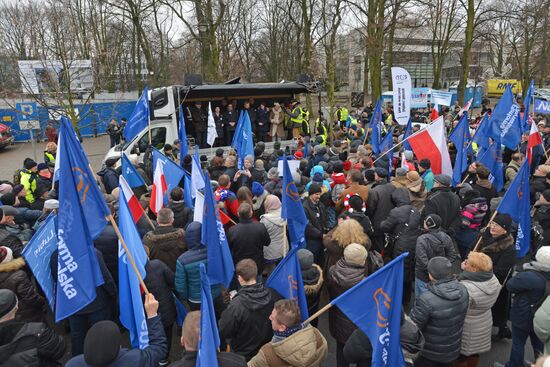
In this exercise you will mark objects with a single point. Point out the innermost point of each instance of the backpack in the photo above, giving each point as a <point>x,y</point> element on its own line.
<point>535,306</point>
<point>17,176</point>
<point>336,190</point>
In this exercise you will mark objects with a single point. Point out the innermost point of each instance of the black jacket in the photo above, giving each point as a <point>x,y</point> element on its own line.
<point>317,219</point>
<point>538,185</point>
<point>247,240</point>
<point>183,215</point>
<point>380,202</point>
<point>542,216</point>
<point>439,313</point>
<point>198,119</point>
<point>224,360</point>
<point>429,245</point>
<point>31,344</point>
<point>445,203</point>
<point>160,281</point>
<point>107,244</point>
<point>246,319</point>
<point>502,252</point>
<point>109,177</point>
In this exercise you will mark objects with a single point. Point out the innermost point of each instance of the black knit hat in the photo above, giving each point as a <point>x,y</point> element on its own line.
<point>314,189</point>
<point>102,343</point>
<point>8,300</point>
<point>504,220</point>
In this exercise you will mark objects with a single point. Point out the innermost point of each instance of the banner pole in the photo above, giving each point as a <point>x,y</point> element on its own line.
<point>284,239</point>
<point>129,256</point>
<point>318,313</point>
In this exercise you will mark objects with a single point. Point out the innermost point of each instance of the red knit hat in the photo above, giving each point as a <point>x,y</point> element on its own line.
<point>298,155</point>
<point>347,165</point>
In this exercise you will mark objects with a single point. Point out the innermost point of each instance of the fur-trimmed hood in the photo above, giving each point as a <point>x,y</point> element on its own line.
<point>14,265</point>
<point>315,288</point>
<point>498,244</point>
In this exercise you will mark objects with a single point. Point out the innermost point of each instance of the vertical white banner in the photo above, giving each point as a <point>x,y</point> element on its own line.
<point>401,81</point>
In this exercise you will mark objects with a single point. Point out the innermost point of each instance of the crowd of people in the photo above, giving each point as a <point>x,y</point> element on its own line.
<point>463,284</point>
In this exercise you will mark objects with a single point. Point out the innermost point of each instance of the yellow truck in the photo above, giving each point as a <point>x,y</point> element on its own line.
<point>496,87</point>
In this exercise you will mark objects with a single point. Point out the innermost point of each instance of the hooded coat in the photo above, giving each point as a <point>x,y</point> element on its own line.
<point>246,319</point>
<point>429,245</point>
<point>275,228</point>
<point>483,289</point>
<point>166,244</point>
<point>439,313</point>
<point>183,215</point>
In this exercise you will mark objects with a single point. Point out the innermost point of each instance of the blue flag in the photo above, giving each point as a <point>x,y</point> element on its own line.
<point>287,280</point>
<point>460,136</point>
<point>181,311</point>
<point>238,128</point>
<point>374,305</point>
<point>481,136</point>
<point>306,147</point>
<point>527,107</point>
<point>130,174</point>
<point>139,118</point>
<point>187,198</point>
<point>82,213</point>
<point>37,254</point>
<point>385,145</point>
<point>132,315</point>
<point>492,159</point>
<point>406,134</point>
<point>375,124</point>
<point>172,172</point>
<point>220,262</point>
<point>245,145</point>
<point>505,121</point>
<point>209,339</point>
<point>292,209</point>
<point>184,148</point>
<point>516,203</point>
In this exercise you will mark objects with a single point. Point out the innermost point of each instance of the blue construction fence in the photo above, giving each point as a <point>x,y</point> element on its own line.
<point>95,121</point>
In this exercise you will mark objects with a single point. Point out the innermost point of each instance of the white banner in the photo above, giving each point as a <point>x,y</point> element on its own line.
<point>401,81</point>
<point>199,207</point>
<point>441,97</point>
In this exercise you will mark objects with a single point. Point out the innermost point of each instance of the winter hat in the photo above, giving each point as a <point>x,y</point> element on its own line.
<point>354,203</point>
<point>298,155</point>
<point>7,210</point>
<point>305,257</point>
<point>337,143</point>
<point>102,343</point>
<point>5,188</point>
<point>51,204</point>
<point>6,254</point>
<point>8,199</point>
<point>18,188</point>
<point>29,163</point>
<point>317,149</point>
<point>204,158</point>
<point>443,179</point>
<point>41,190</point>
<point>219,152</point>
<point>347,165</point>
<point>314,188</point>
<point>424,164</point>
<point>439,267</point>
<point>546,195</point>
<point>412,176</point>
<point>257,189</point>
<point>381,172</point>
<point>42,166</point>
<point>433,221</point>
<point>504,220</point>
<point>543,256</point>
<point>318,178</point>
<point>111,161</point>
<point>272,202</point>
<point>408,155</point>
<point>401,172</point>
<point>369,175</point>
<point>338,167</point>
<point>464,188</point>
<point>8,301</point>
<point>273,173</point>
<point>355,254</point>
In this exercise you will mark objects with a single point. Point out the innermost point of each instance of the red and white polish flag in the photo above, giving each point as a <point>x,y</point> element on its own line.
<point>534,140</point>
<point>133,203</point>
<point>431,143</point>
<point>159,188</point>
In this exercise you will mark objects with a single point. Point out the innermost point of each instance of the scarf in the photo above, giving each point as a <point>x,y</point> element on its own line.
<point>476,276</point>
<point>282,335</point>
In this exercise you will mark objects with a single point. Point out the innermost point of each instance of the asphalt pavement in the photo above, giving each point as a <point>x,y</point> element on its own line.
<point>12,158</point>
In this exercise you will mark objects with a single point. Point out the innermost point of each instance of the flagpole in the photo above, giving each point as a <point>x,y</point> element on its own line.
<point>401,142</point>
<point>148,219</point>
<point>128,255</point>
<point>476,247</point>
<point>318,313</point>
<point>284,239</point>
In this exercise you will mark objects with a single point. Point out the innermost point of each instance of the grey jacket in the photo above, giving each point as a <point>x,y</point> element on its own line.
<point>275,227</point>
<point>483,290</point>
<point>431,244</point>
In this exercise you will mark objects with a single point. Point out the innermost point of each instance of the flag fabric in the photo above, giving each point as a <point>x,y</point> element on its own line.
<point>386,145</point>
<point>197,179</point>
<point>505,121</point>
<point>238,129</point>
<point>139,119</point>
<point>375,122</point>
<point>431,143</point>
<point>159,188</point>
<point>181,311</point>
<point>37,254</point>
<point>406,134</point>
<point>460,136</point>
<point>374,305</point>
<point>224,217</point>
<point>132,315</point>
<point>245,145</point>
<point>516,204</point>
<point>82,213</point>
<point>57,160</point>
<point>527,107</point>
<point>306,147</point>
<point>534,140</point>
<point>131,200</point>
<point>187,198</point>
<point>173,173</point>
<point>286,279</point>
<point>212,133</point>
<point>209,339</point>
<point>434,115</point>
<point>292,209</point>
<point>184,148</point>
<point>492,159</point>
<point>220,261</point>
<point>466,107</point>
<point>131,175</point>
<point>481,136</point>
<point>198,213</point>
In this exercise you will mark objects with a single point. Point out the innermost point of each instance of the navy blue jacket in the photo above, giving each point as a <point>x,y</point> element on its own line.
<point>110,179</point>
<point>148,357</point>
<point>527,288</point>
